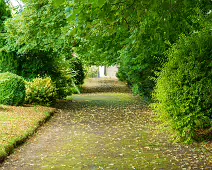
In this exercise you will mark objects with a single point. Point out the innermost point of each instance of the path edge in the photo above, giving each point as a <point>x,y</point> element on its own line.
<point>9,149</point>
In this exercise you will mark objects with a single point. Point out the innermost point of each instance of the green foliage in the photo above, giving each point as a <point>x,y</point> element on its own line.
<point>78,71</point>
<point>91,72</point>
<point>183,91</point>
<point>144,51</point>
<point>42,43</point>
<point>4,57</point>
<point>12,89</point>
<point>4,13</point>
<point>8,63</point>
<point>41,63</point>
<point>133,34</point>
<point>37,28</point>
<point>41,91</point>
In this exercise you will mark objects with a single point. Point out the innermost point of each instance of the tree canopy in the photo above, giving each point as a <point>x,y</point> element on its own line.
<point>133,34</point>
<point>39,42</point>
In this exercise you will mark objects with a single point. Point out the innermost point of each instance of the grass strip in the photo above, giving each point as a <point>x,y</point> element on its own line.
<point>18,123</point>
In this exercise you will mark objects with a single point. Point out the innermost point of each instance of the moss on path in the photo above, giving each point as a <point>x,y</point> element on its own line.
<point>104,131</point>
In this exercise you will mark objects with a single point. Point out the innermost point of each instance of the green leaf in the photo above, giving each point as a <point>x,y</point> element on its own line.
<point>58,2</point>
<point>101,3</point>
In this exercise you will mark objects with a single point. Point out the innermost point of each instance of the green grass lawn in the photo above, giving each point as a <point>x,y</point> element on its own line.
<point>17,123</point>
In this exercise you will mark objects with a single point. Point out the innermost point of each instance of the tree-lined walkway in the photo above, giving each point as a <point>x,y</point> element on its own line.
<point>104,131</point>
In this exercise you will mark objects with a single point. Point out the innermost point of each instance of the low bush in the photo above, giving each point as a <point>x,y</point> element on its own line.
<point>12,89</point>
<point>41,91</point>
<point>184,87</point>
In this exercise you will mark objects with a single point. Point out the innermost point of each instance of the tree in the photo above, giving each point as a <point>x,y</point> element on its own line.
<point>40,38</point>
<point>4,14</point>
<point>134,34</point>
<point>5,58</point>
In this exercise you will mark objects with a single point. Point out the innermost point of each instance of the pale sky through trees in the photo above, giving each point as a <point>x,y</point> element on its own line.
<point>16,2</point>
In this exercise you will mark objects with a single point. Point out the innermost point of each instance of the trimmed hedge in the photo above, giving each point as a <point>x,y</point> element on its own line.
<point>184,87</point>
<point>41,91</point>
<point>12,89</point>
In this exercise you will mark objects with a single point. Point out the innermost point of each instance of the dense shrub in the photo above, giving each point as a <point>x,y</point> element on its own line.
<point>37,63</point>
<point>42,64</point>
<point>41,91</point>
<point>64,85</point>
<point>184,86</point>
<point>12,89</point>
<point>160,27</point>
<point>78,70</point>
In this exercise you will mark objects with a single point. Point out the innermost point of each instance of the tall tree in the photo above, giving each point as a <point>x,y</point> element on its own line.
<point>41,40</point>
<point>4,14</point>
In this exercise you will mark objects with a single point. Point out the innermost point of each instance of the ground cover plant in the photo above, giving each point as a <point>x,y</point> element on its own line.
<point>17,124</point>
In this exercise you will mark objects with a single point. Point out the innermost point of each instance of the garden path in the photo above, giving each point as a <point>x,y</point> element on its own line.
<point>104,131</point>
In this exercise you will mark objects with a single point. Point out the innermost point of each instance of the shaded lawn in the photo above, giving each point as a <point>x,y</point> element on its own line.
<point>17,123</point>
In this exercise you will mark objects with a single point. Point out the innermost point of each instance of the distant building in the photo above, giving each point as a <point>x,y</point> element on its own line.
<point>109,72</point>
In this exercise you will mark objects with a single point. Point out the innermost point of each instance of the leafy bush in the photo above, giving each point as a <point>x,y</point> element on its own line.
<point>91,71</point>
<point>41,91</point>
<point>77,68</point>
<point>184,86</point>
<point>64,86</point>
<point>12,89</point>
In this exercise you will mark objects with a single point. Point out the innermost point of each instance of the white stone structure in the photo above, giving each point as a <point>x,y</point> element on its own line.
<point>109,72</point>
<point>102,71</point>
